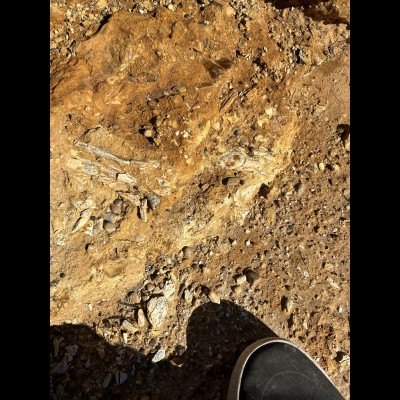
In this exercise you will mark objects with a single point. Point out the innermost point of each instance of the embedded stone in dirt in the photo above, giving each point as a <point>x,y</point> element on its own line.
<point>342,358</point>
<point>109,226</point>
<point>168,289</point>
<point>128,326</point>
<point>120,377</point>
<point>187,251</point>
<point>252,276</point>
<point>157,309</point>
<point>214,297</point>
<point>231,181</point>
<point>287,304</point>
<point>239,279</point>
<point>160,354</point>
<point>141,319</point>
<point>188,296</point>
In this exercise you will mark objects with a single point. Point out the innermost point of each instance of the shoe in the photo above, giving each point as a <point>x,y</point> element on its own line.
<point>275,369</point>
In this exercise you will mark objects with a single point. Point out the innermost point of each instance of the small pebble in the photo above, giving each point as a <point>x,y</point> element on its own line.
<point>150,287</point>
<point>110,217</point>
<point>237,289</point>
<point>126,178</point>
<point>187,251</point>
<point>128,326</point>
<point>204,250</point>
<point>141,319</point>
<point>247,243</point>
<point>231,181</point>
<point>342,358</point>
<point>347,143</point>
<point>120,377</point>
<point>188,296</point>
<point>252,276</point>
<point>195,265</point>
<point>160,355</point>
<point>143,210</point>
<point>321,166</point>
<point>288,304</point>
<point>239,279</point>
<point>333,283</point>
<point>214,298</point>
<point>148,133</point>
<point>116,208</point>
<point>216,126</point>
<point>109,226</point>
<point>153,201</point>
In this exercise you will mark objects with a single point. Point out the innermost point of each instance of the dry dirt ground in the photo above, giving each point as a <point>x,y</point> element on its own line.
<point>199,155</point>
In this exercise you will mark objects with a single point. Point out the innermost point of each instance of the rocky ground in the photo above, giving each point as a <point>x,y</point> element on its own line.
<point>200,200</point>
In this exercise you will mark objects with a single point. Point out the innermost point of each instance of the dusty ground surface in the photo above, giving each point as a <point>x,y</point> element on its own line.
<point>199,191</point>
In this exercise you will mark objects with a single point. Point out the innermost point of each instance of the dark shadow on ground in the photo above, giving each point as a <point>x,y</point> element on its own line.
<point>216,335</point>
